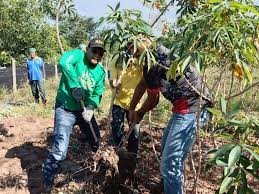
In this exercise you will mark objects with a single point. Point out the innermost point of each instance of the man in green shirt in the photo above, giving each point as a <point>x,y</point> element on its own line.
<point>79,93</point>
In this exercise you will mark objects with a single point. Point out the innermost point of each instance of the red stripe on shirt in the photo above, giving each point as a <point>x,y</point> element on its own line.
<point>154,91</point>
<point>181,106</point>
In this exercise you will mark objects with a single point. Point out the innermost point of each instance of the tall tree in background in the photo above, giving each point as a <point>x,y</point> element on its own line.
<point>57,10</point>
<point>78,30</point>
<point>23,25</point>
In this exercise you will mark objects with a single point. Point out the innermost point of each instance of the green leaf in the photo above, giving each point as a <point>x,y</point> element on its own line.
<point>237,53</point>
<point>214,111</point>
<point>234,109</point>
<point>216,38</point>
<point>184,64</point>
<point>225,184</point>
<point>221,163</point>
<point>222,150</point>
<point>153,59</point>
<point>171,72</point>
<point>254,166</point>
<point>142,57</point>
<point>215,1</point>
<point>247,73</point>
<point>245,162</point>
<point>110,7</point>
<point>223,105</point>
<point>198,63</point>
<point>252,152</point>
<point>226,136</point>
<point>148,60</point>
<point>242,189</point>
<point>236,122</point>
<point>135,44</point>
<point>117,6</point>
<point>234,156</point>
<point>230,37</point>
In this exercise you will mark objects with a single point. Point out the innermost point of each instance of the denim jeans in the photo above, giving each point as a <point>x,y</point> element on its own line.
<point>63,124</point>
<point>117,124</point>
<point>178,138</point>
<point>37,89</point>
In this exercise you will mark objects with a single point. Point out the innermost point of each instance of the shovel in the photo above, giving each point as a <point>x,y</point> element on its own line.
<point>90,124</point>
<point>127,160</point>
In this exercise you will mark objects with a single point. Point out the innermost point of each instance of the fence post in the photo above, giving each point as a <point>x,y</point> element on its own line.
<point>56,68</point>
<point>44,72</point>
<point>14,75</point>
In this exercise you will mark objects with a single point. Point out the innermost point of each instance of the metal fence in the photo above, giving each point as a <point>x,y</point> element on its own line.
<point>13,77</point>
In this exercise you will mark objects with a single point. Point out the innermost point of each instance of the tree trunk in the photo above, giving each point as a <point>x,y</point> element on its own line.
<point>57,26</point>
<point>162,13</point>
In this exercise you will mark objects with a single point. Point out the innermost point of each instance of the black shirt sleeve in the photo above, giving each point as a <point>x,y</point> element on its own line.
<point>152,76</point>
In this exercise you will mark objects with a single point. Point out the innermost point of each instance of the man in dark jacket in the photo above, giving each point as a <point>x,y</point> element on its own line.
<point>179,135</point>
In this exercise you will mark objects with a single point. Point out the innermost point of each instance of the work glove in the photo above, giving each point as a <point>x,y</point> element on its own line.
<point>78,94</point>
<point>88,113</point>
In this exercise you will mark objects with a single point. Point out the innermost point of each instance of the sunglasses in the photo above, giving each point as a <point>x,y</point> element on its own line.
<point>97,51</point>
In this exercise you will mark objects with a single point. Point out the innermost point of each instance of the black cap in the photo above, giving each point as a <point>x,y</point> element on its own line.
<point>96,43</point>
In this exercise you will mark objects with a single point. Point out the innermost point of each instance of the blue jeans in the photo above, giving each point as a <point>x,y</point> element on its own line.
<point>38,90</point>
<point>178,138</point>
<point>63,124</point>
<point>117,124</point>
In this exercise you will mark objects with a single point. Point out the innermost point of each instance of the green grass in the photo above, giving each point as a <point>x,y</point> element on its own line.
<point>22,104</point>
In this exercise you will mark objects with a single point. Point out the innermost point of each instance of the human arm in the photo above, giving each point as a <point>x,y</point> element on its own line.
<point>42,66</point>
<point>150,102</point>
<point>27,69</point>
<point>115,73</point>
<point>66,63</point>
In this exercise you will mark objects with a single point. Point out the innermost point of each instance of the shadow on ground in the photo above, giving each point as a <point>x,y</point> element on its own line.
<point>31,159</point>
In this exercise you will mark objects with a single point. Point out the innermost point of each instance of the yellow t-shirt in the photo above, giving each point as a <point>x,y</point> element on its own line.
<point>129,80</point>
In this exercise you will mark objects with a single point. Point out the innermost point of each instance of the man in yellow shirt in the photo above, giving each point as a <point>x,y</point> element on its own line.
<point>124,82</point>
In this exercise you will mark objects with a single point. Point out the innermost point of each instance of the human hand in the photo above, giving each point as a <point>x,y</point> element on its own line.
<point>78,94</point>
<point>135,116</point>
<point>116,83</point>
<point>88,113</point>
<point>132,116</point>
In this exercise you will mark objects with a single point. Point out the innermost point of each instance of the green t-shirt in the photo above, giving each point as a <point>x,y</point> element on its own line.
<point>76,72</point>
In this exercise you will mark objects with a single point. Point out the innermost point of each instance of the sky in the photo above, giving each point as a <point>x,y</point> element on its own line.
<point>99,8</point>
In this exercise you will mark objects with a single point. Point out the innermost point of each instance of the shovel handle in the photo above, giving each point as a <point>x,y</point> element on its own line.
<point>93,132</point>
<point>90,124</point>
<point>126,136</point>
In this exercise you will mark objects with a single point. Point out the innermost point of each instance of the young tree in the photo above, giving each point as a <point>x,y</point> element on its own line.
<point>58,9</point>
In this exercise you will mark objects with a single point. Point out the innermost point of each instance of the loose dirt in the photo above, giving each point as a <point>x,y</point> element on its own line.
<point>25,146</point>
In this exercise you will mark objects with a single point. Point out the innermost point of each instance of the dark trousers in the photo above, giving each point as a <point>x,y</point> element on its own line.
<point>38,90</point>
<point>118,115</point>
